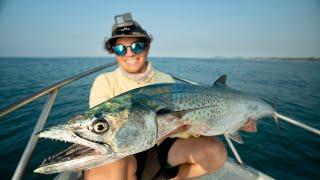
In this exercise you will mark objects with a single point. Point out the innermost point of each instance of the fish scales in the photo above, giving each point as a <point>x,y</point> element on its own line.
<point>208,109</point>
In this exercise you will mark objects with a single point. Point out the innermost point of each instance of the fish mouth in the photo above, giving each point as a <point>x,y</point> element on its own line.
<point>74,152</point>
<point>81,155</point>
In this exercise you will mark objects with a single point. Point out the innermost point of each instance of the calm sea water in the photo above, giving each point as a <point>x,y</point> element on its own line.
<point>294,86</point>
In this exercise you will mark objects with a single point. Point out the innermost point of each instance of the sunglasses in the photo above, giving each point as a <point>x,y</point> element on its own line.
<point>136,48</point>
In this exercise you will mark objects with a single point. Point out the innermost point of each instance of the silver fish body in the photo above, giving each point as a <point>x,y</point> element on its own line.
<point>212,110</point>
<point>136,120</point>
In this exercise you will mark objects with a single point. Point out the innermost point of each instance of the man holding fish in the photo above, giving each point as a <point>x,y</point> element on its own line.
<point>178,158</point>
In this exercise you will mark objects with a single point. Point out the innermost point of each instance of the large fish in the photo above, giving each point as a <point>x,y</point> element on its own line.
<point>138,119</point>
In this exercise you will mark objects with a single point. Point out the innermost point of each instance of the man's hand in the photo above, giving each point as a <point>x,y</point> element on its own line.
<point>249,126</point>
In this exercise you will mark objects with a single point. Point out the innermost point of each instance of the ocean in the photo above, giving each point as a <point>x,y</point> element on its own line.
<point>285,153</point>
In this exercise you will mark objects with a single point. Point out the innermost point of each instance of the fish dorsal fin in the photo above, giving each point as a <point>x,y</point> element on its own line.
<point>221,81</point>
<point>236,137</point>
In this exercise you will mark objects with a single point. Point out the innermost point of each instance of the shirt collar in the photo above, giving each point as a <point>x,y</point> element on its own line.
<point>140,77</point>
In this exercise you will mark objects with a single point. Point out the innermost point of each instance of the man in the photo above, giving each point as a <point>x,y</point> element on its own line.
<point>179,158</point>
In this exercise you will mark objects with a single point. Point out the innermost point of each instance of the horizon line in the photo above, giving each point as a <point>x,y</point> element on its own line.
<point>213,57</point>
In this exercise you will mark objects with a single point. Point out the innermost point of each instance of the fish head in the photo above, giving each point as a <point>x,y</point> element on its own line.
<point>129,130</point>
<point>83,154</point>
<point>100,136</point>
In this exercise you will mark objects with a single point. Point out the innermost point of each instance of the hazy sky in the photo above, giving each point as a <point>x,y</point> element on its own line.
<point>184,28</point>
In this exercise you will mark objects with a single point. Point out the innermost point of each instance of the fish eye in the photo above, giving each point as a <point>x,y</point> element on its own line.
<point>100,126</point>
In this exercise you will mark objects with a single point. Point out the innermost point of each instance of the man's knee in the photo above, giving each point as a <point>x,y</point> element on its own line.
<point>216,154</point>
<point>208,152</point>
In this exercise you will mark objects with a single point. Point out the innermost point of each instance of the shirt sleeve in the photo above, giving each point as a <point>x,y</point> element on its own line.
<point>101,90</point>
<point>170,79</point>
<point>163,77</point>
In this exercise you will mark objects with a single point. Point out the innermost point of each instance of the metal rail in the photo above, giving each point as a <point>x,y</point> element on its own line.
<point>298,124</point>
<point>53,90</point>
<point>182,79</point>
<point>33,138</point>
<point>233,149</point>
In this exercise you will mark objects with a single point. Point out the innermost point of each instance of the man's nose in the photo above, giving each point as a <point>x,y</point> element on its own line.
<point>129,52</point>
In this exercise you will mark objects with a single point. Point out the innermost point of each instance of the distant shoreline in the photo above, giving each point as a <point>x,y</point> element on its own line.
<point>269,58</point>
<point>251,58</point>
<point>288,58</point>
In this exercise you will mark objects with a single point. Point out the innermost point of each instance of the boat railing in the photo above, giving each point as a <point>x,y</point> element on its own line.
<point>53,90</point>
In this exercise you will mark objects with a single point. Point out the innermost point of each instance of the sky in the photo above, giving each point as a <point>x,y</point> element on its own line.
<point>180,28</point>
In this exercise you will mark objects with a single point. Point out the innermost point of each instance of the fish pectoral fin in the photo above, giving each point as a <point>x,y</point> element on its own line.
<point>236,137</point>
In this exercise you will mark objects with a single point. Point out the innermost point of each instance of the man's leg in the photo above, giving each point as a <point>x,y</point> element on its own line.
<point>122,169</point>
<point>197,156</point>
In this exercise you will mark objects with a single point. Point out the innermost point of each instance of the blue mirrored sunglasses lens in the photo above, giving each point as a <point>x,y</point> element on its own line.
<point>137,47</point>
<point>119,50</point>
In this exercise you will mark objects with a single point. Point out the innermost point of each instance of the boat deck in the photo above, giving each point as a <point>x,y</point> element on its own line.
<point>232,170</point>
